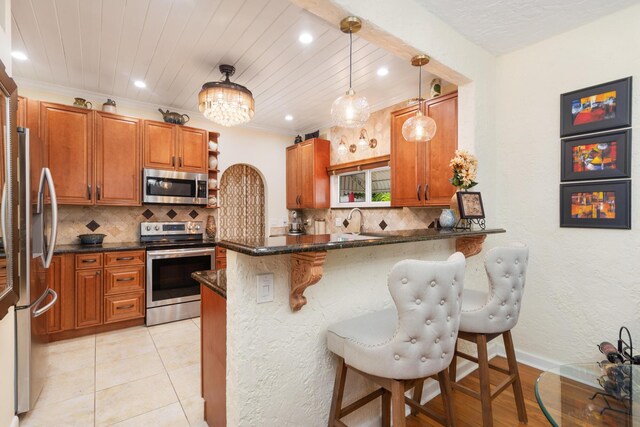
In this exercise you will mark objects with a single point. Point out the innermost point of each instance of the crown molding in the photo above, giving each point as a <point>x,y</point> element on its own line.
<point>133,104</point>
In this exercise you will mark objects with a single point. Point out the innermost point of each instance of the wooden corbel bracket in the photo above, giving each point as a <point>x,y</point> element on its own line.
<point>471,245</point>
<point>306,270</point>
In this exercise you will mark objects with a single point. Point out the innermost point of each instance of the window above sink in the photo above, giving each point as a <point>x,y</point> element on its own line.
<point>362,189</point>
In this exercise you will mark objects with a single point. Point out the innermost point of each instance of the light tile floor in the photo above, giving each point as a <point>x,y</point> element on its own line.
<point>134,377</point>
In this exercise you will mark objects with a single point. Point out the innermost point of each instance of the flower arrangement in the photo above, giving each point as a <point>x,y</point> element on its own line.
<point>465,168</point>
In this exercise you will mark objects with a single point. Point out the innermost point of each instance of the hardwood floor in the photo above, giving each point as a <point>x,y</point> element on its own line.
<point>467,409</point>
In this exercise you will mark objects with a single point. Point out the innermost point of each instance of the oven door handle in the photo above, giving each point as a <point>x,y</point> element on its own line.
<point>179,253</point>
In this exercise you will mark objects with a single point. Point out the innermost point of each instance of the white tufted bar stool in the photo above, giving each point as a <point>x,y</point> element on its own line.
<point>488,315</point>
<point>400,347</point>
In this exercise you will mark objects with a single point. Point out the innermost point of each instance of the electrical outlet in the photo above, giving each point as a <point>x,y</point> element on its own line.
<point>339,222</point>
<point>264,288</point>
<point>285,221</point>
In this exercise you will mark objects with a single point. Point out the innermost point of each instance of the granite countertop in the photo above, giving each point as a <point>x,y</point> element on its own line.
<point>128,246</point>
<point>323,242</point>
<point>216,280</point>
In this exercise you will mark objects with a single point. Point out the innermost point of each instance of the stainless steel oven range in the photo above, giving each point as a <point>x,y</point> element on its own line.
<point>174,251</point>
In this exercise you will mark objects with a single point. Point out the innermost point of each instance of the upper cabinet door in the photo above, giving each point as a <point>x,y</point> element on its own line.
<point>159,145</point>
<point>192,149</point>
<point>118,165</point>
<point>67,133</point>
<point>442,149</point>
<point>407,163</point>
<point>293,177</point>
<point>306,175</point>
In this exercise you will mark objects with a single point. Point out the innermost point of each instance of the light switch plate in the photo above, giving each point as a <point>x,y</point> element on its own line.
<point>264,288</point>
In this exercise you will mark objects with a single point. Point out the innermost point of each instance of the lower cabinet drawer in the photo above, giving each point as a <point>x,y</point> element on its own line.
<point>221,264</point>
<point>123,307</point>
<point>123,279</point>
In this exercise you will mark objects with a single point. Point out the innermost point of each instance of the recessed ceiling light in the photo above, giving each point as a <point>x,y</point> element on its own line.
<point>20,56</point>
<point>383,71</point>
<point>140,84</point>
<point>305,38</point>
<point>288,117</point>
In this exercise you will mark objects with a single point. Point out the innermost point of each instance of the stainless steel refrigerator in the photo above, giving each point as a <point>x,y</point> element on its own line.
<point>38,231</point>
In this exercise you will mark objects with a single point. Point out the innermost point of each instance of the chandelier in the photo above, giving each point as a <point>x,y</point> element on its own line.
<point>419,128</point>
<point>226,103</point>
<point>350,110</point>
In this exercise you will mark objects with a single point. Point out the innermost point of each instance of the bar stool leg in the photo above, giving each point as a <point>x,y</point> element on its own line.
<point>386,409</point>
<point>447,398</point>
<point>513,370</point>
<point>485,385</point>
<point>453,367</point>
<point>338,392</point>
<point>397,403</point>
<point>417,395</point>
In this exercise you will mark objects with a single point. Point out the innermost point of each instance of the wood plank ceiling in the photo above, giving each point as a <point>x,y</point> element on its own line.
<point>175,46</point>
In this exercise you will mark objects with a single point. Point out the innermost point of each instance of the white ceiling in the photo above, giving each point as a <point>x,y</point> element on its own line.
<point>501,26</point>
<point>175,46</point>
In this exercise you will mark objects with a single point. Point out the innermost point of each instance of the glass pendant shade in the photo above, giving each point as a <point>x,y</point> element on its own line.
<point>419,128</point>
<point>342,146</point>
<point>226,103</point>
<point>350,110</point>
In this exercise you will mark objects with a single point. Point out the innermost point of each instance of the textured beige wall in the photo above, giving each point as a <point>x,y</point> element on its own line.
<point>583,284</point>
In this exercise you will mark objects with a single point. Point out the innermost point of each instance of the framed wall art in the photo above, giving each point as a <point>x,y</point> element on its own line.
<point>470,205</point>
<point>603,156</point>
<point>597,108</point>
<point>596,204</point>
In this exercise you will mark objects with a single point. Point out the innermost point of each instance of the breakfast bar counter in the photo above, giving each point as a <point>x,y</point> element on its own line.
<point>323,242</point>
<point>282,293</point>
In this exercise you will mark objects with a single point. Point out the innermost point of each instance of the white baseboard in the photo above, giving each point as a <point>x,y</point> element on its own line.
<point>15,422</point>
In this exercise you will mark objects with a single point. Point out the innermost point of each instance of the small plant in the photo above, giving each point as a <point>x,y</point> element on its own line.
<point>465,168</point>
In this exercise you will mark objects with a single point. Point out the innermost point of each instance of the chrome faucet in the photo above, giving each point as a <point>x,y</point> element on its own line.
<point>361,219</point>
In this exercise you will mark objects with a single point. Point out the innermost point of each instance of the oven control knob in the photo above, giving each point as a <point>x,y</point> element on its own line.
<point>148,228</point>
<point>197,227</point>
<point>157,228</point>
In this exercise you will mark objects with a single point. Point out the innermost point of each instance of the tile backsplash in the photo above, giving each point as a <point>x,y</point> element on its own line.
<point>375,220</point>
<point>119,223</point>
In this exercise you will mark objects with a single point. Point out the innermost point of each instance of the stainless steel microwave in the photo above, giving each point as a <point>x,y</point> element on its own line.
<point>174,188</point>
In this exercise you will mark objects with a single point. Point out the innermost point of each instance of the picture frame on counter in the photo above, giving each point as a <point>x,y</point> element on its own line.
<point>470,205</point>
<point>603,204</point>
<point>596,108</point>
<point>602,156</point>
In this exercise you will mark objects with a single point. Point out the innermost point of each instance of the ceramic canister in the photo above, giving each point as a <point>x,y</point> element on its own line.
<point>213,162</point>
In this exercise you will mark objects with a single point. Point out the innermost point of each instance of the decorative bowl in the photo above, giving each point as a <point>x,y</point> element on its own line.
<point>91,239</point>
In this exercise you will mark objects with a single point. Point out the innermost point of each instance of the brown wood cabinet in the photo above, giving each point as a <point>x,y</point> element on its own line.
<point>420,171</point>
<point>61,278</point>
<point>88,298</point>
<point>221,258</point>
<point>174,147</point>
<point>97,292</point>
<point>307,178</point>
<point>68,137</point>
<point>117,160</point>
<point>213,314</point>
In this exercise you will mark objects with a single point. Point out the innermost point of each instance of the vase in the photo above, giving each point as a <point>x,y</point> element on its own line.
<point>447,218</point>
<point>453,204</point>
<point>211,227</point>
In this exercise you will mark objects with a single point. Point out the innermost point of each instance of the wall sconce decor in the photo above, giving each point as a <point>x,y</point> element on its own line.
<point>342,146</point>
<point>364,140</point>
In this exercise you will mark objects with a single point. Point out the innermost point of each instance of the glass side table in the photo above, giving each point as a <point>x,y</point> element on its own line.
<point>574,395</point>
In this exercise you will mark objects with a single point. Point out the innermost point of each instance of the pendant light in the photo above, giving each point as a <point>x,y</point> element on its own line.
<point>226,103</point>
<point>419,128</point>
<point>350,110</point>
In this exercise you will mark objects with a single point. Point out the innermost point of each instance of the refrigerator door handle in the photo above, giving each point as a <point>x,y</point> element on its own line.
<point>46,176</point>
<point>42,310</point>
<point>3,216</point>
